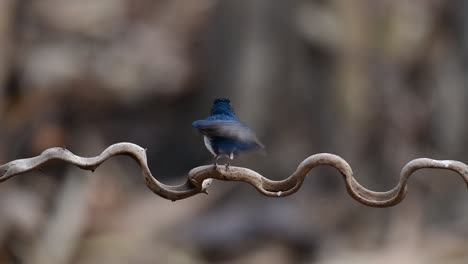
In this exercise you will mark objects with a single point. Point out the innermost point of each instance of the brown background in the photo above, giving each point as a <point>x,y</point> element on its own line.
<point>378,82</point>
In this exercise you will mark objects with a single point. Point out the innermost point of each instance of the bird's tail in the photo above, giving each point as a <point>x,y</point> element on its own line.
<point>261,149</point>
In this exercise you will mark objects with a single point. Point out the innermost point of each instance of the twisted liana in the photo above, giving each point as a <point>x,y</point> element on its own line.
<point>199,178</point>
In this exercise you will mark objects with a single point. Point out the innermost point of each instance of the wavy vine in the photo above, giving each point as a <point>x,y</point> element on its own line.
<point>200,178</point>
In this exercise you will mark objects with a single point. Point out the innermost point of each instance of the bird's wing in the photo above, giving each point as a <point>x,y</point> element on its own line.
<point>227,129</point>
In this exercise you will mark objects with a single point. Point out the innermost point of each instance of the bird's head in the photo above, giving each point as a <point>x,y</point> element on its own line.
<point>222,106</point>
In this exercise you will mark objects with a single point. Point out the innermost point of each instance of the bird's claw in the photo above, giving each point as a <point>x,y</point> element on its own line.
<point>226,165</point>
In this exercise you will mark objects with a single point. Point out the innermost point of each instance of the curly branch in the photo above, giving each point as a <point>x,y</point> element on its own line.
<point>199,178</point>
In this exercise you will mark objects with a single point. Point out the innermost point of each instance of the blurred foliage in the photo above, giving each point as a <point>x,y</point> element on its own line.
<point>378,82</point>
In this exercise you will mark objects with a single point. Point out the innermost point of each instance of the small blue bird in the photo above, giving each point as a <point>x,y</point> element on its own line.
<point>224,134</point>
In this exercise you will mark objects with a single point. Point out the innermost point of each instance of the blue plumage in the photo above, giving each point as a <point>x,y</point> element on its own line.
<point>224,134</point>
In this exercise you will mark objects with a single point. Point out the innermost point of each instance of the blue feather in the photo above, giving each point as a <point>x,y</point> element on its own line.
<point>224,133</point>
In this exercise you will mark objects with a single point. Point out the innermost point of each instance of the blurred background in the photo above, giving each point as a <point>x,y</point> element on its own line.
<point>378,82</point>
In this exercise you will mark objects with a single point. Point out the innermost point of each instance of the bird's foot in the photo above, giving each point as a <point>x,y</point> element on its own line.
<point>215,165</point>
<point>226,165</point>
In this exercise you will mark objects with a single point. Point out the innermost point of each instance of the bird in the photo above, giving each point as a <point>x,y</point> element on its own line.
<point>223,134</point>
